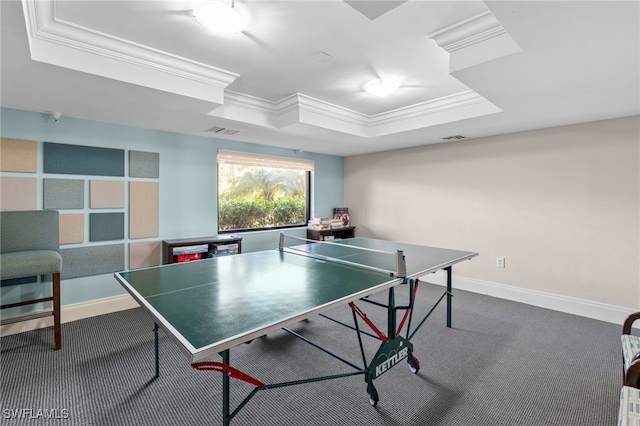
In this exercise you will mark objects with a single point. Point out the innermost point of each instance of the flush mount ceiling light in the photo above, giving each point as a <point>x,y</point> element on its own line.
<point>381,88</point>
<point>221,17</point>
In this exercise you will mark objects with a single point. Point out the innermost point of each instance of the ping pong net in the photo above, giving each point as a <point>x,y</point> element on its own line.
<point>390,262</point>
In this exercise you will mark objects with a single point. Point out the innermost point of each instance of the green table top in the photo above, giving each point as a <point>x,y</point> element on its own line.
<point>214,304</point>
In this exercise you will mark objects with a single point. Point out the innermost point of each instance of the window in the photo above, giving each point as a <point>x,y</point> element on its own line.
<point>262,191</point>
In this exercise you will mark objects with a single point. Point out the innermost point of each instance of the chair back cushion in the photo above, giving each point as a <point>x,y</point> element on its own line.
<point>29,230</point>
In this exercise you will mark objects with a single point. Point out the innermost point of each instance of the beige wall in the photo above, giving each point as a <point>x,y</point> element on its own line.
<point>561,205</point>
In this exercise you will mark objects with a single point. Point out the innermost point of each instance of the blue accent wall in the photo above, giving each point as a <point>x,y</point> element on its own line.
<point>188,185</point>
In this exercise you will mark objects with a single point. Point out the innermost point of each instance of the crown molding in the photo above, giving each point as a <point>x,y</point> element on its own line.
<point>298,109</point>
<point>474,40</point>
<point>65,44</point>
<point>467,32</point>
<point>430,107</point>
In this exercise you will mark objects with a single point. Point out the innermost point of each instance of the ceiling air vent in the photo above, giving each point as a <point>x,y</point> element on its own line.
<point>454,138</point>
<point>222,131</point>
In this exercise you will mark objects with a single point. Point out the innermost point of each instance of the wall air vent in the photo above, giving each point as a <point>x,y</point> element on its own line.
<point>454,138</point>
<point>222,131</point>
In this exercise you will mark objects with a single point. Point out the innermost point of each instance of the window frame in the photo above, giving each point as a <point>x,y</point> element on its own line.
<point>269,161</point>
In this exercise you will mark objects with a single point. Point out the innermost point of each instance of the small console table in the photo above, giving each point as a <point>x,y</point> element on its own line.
<point>185,249</point>
<point>337,233</point>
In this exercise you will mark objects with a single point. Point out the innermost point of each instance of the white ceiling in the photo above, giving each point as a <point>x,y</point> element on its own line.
<point>467,68</point>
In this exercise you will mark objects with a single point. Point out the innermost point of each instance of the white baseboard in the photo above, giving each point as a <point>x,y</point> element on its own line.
<point>570,305</point>
<point>74,312</point>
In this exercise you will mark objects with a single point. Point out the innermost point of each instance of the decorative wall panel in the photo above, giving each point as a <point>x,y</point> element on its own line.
<point>106,194</point>
<point>144,204</point>
<point>82,160</point>
<point>144,164</point>
<point>17,155</point>
<point>63,193</point>
<point>60,192</point>
<point>106,226</point>
<point>92,260</point>
<point>144,254</point>
<point>18,193</point>
<point>71,228</point>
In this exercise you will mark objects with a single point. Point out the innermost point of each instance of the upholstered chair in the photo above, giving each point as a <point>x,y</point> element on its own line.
<point>30,246</point>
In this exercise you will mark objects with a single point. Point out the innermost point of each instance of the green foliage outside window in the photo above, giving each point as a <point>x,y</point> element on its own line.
<point>260,197</point>
<point>260,214</point>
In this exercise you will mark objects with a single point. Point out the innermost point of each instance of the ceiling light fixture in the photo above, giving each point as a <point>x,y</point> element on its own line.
<point>381,88</point>
<point>221,17</point>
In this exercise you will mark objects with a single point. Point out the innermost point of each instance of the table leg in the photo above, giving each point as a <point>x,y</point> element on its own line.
<point>391,315</point>
<point>155,331</point>
<point>57,329</point>
<point>449,296</point>
<point>225,390</point>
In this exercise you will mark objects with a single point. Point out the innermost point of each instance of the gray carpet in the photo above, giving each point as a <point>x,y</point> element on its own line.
<point>502,363</point>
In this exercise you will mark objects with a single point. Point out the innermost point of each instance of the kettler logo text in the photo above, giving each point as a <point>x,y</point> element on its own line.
<point>35,413</point>
<point>391,361</point>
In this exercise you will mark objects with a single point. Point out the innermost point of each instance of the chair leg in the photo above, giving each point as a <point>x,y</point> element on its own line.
<point>57,329</point>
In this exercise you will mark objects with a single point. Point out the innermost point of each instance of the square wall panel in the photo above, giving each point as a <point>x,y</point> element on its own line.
<point>106,226</point>
<point>106,194</point>
<point>71,228</point>
<point>17,155</point>
<point>144,254</point>
<point>18,193</point>
<point>63,193</point>
<point>144,164</point>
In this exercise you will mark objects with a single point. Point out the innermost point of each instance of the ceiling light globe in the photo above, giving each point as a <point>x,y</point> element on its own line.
<point>381,88</point>
<point>221,17</point>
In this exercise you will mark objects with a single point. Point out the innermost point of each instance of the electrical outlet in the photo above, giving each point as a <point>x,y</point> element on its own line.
<point>500,262</point>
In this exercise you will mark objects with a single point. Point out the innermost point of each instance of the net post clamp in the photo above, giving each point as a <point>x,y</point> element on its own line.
<point>401,266</point>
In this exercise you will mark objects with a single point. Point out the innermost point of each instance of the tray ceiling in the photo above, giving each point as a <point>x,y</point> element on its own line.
<point>294,78</point>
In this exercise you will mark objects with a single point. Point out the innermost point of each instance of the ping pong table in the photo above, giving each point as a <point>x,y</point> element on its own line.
<point>210,306</point>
